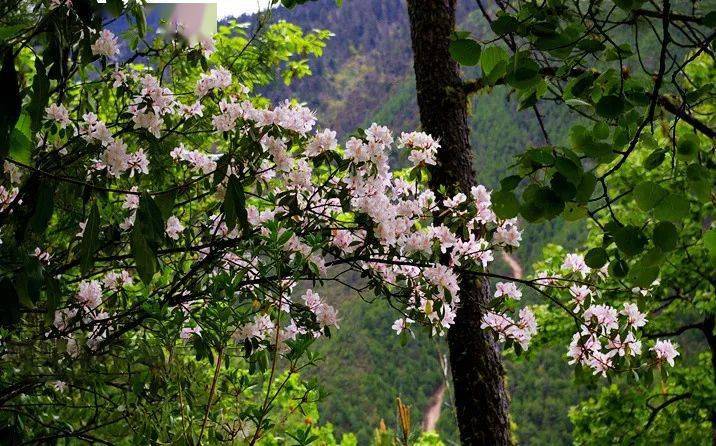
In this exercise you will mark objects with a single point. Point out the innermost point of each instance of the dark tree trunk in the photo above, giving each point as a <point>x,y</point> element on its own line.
<point>478,376</point>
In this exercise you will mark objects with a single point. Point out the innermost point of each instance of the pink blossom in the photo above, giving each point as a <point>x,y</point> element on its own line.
<point>106,44</point>
<point>508,234</point>
<point>90,294</point>
<point>579,293</point>
<point>605,316</point>
<point>401,324</point>
<point>324,141</point>
<point>43,256</point>
<point>174,228</point>
<point>507,289</point>
<point>187,332</point>
<point>138,162</point>
<point>575,263</point>
<point>665,351</point>
<point>635,318</point>
<point>59,114</point>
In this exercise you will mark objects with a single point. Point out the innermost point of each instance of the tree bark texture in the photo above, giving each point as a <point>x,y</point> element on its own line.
<point>481,400</point>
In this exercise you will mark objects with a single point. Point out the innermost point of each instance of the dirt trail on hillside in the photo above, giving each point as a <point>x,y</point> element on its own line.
<point>432,412</point>
<point>514,265</point>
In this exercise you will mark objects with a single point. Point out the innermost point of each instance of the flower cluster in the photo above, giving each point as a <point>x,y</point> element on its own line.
<point>262,204</point>
<point>106,44</point>
<point>607,335</point>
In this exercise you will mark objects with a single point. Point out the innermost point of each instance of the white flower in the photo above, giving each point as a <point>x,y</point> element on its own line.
<point>59,114</point>
<point>508,234</point>
<point>635,318</point>
<point>401,324</point>
<point>106,45</point>
<point>43,256</point>
<point>138,161</point>
<point>186,332</point>
<point>90,294</point>
<point>174,228</point>
<point>324,141</point>
<point>508,289</point>
<point>575,263</point>
<point>59,386</point>
<point>665,351</point>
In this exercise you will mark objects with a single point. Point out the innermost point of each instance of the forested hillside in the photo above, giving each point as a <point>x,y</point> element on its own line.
<point>365,75</point>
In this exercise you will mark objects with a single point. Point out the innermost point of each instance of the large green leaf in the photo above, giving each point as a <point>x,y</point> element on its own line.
<point>505,204</point>
<point>596,258</point>
<point>493,62</point>
<point>665,236</point>
<point>710,242</point>
<point>649,194</point>
<point>630,240</point>
<point>465,51</point>
<point>610,106</point>
<point>40,95</point>
<point>675,207</point>
<point>90,239</point>
<point>235,204</point>
<point>44,207</point>
<point>144,257</point>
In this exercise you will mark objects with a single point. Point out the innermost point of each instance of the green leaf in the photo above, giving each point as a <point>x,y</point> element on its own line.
<point>542,155</point>
<point>504,24</point>
<point>493,62</point>
<point>665,236</point>
<point>675,207</point>
<point>90,239</point>
<point>654,159</point>
<point>6,32</point>
<point>149,220</point>
<point>596,258</point>
<point>44,207</point>
<point>140,18</point>
<point>165,203</point>
<point>511,182</point>
<point>649,194</point>
<point>21,141</point>
<point>562,187</point>
<point>29,281</point>
<point>115,7</point>
<point>628,5</point>
<point>144,256</point>
<point>574,102</point>
<point>540,202</point>
<point>235,204</point>
<point>465,51</point>
<point>630,240</point>
<point>568,168</point>
<point>505,204</point>
<point>687,147</point>
<point>40,95</point>
<point>643,275</point>
<point>618,268</point>
<point>610,106</point>
<point>590,45</point>
<point>586,188</point>
<point>524,72</point>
